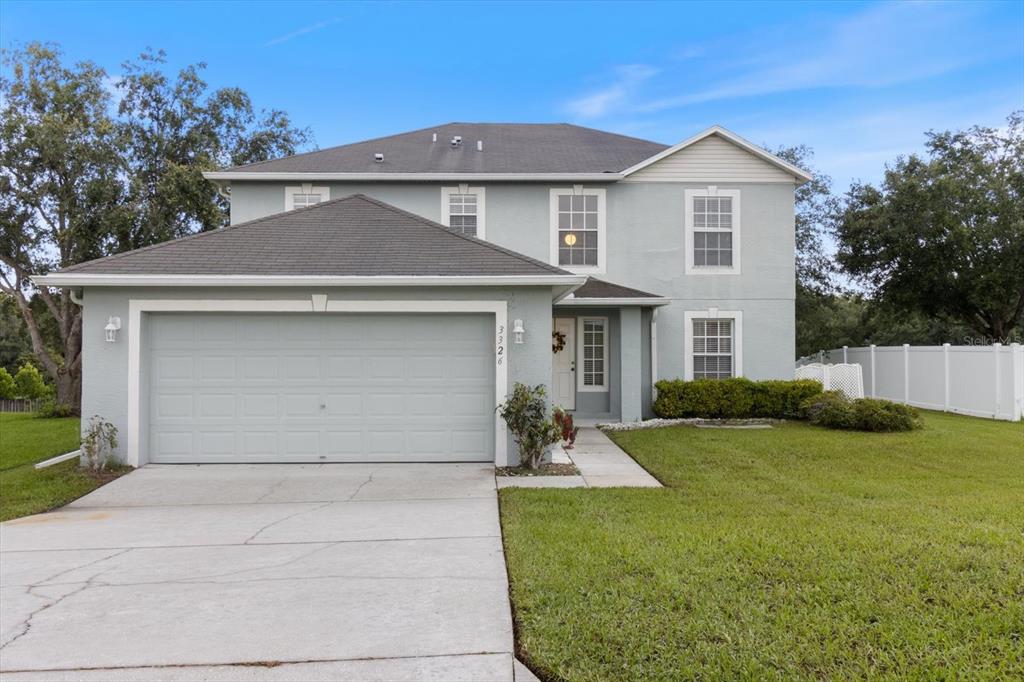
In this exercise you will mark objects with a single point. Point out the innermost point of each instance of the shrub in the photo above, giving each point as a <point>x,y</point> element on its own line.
<point>565,425</point>
<point>835,411</point>
<point>831,409</point>
<point>28,383</point>
<point>871,414</point>
<point>526,413</point>
<point>98,444</point>
<point>779,399</point>
<point>51,409</point>
<point>7,388</point>
<point>736,398</point>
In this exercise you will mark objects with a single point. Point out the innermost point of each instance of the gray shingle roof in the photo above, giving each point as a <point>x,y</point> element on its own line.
<point>598,288</point>
<point>350,236</point>
<point>507,148</point>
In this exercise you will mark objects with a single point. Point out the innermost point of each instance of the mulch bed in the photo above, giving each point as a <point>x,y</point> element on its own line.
<point>543,470</point>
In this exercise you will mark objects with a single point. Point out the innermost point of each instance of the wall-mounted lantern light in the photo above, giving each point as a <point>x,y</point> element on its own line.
<point>113,325</point>
<point>518,331</point>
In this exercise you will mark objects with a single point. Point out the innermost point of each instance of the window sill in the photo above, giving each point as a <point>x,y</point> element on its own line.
<point>711,270</point>
<point>581,269</point>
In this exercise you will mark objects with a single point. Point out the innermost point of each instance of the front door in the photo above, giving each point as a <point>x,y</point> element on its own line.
<point>563,366</point>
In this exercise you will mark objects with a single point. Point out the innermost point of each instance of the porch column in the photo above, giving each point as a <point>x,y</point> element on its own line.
<point>631,363</point>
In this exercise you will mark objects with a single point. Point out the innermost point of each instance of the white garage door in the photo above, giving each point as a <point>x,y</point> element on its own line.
<point>319,388</point>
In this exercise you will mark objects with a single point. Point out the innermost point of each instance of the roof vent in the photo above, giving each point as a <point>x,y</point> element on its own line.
<point>435,137</point>
<point>379,158</point>
<point>457,141</point>
<point>479,145</point>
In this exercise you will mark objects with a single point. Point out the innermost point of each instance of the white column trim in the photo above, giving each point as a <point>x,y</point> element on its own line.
<point>136,307</point>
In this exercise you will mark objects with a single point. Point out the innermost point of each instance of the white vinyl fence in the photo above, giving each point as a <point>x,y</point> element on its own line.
<point>982,381</point>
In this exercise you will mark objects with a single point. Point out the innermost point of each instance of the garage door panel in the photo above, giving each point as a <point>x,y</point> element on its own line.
<point>251,388</point>
<point>174,368</point>
<point>260,406</point>
<point>344,367</point>
<point>217,368</point>
<point>344,405</point>
<point>300,368</point>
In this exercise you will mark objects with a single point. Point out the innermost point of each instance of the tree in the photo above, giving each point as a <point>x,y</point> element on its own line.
<point>944,235</point>
<point>28,383</point>
<point>79,180</point>
<point>7,386</point>
<point>814,206</point>
<point>59,191</point>
<point>175,130</point>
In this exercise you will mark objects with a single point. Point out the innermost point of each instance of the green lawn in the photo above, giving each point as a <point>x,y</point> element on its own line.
<point>795,552</point>
<point>25,440</point>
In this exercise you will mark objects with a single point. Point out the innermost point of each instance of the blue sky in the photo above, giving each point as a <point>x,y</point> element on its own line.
<point>858,82</point>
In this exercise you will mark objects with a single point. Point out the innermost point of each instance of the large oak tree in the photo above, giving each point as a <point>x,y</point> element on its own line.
<point>944,235</point>
<point>83,175</point>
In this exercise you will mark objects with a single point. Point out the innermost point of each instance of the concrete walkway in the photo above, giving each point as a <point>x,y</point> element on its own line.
<point>602,464</point>
<point>269,572</point>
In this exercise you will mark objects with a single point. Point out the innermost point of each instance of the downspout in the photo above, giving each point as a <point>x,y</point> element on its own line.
<point>75,298</point>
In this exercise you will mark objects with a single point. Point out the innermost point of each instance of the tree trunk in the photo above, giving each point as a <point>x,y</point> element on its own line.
<point>68,385</point>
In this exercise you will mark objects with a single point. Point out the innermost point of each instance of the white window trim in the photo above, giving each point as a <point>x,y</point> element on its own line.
<point>713,191</point>
<point>305,188</point>
<point>580,387</point>
<point>481,207</point>
<point>316,303</point>
<point>602,216</point>
<point>712,314</point>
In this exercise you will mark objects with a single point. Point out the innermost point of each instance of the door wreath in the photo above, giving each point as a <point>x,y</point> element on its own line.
<point>557,341</point>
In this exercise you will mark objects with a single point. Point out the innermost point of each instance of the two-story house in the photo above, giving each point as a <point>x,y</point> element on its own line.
<point>376,301</point>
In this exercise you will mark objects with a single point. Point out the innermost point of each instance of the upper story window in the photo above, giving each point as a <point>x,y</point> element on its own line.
<point>578,229</point>
<point>462,209</point>
<point>304,195</point>
<point>712,231</point>
<point>713,344</point>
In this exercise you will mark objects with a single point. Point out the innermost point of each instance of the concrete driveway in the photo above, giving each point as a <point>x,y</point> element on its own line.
<point>262,572</point>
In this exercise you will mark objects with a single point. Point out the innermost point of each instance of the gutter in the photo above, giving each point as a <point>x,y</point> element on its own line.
<point>72,279</point>
<point>222,176</point>
<point>651,301</point>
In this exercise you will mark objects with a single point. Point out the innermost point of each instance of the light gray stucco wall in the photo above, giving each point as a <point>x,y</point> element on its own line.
<point>105,365</point>
<point>645,250</point>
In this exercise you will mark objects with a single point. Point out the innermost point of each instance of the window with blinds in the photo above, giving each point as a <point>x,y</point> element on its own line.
<point>594,345</point>
<point>302,200</point>
<point>713,349</point>
<point>462,213</point>
<point>578,229</point>
<point>712,231</point>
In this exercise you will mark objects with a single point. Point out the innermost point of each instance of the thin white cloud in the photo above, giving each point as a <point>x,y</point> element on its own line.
<point>301,32</point>
<point>885,45</point>
<point>628,78</point>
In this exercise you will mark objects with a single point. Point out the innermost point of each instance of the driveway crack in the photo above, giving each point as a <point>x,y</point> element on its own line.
<point>283,519</point>
<point>26,624</point>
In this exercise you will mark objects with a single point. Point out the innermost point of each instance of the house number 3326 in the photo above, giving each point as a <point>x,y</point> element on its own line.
<point>501,344</point>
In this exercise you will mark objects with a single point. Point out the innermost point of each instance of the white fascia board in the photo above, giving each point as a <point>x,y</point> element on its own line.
<point>82,280</point>
<point>798,173</point>
<point>219,176</point>
<point>614,302</point>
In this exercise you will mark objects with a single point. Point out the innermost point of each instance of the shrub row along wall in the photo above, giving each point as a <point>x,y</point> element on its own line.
<point>982,381</point>
<point>732,398</point>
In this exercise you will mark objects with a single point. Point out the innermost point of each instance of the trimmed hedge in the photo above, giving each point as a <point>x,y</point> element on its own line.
<point>833,410</point>
<point>736,398</point>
